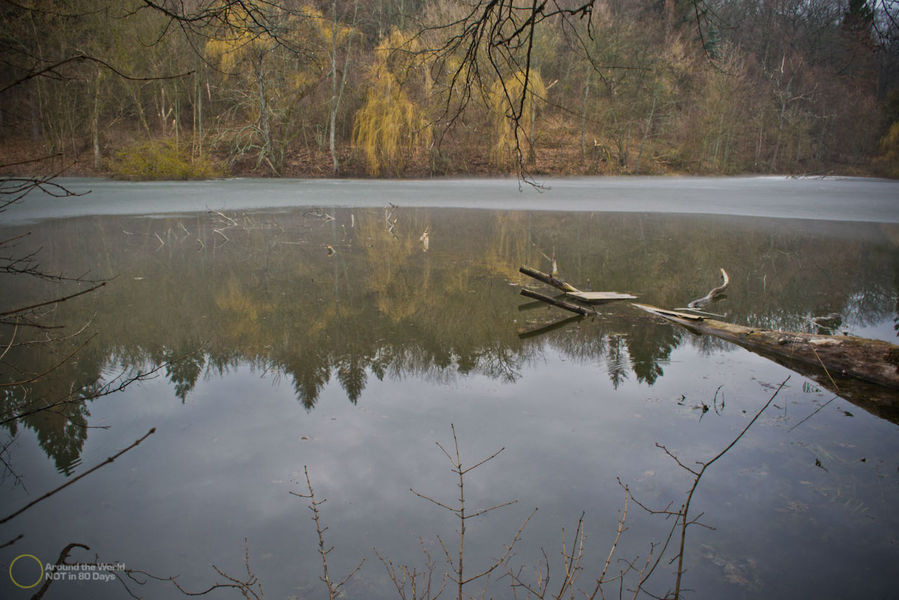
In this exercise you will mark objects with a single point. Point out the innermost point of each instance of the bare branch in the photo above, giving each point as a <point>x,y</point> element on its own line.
<point>438,503</point>
<point>333,588</point>
<point>456,566</point>
<point>491,508</point>
<point>51,369</point>
<point>107,389</point>
<point>676,459</point>
<point>12,541</point>
<point>685,510</point>
<point>63,555</point>
<point>622,518</point>
<point>74,479</point>
<point>419,583</point>
<point>43,72</point>
<point>54,301</point>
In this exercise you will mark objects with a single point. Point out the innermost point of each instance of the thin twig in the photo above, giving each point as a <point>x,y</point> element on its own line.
<point>54,301</point>
<point>333,588</point>
<point>815,412</point>
<point>74,479</point>
<point>105,390</point>
<point>686,508</point>
<point>51,369</point>
<point>59,561</point>
<point>12,541</point>
<point>622,518</point>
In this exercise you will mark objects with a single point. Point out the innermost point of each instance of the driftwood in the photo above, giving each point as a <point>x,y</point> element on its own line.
<point>714,294</point>
<point>861,370</point>
<point>547,279</point>
<point>573,292</point>
<point>600,297</point>
<point>556,302</point>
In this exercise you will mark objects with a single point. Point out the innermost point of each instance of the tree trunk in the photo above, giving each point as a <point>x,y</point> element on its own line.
<point>584,117</point>
<point>863,371</point>
<point>140,107</point>
<point>265,153</point>
<point>95,120</point>
<point>337,89</point>
<point>332,121</point>
<point>532,117</point>
<point>547,279</point>
<point>198,116</point>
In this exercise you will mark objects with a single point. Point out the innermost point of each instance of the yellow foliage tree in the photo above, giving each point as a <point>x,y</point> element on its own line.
<point>514,111</point>
<point>273,72</point>
<point>391,127</point>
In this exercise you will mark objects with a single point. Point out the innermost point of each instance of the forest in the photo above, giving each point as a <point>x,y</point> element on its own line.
<point>175,89</point>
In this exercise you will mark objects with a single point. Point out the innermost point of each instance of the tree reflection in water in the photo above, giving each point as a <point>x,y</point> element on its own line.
<point>311,299</point>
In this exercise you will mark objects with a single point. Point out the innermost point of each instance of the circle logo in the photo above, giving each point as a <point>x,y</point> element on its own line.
<point>21,585</point>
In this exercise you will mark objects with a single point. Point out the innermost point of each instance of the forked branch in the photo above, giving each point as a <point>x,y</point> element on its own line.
<point>682,516</point>
<point>414,584</point>
<point>456,564</point>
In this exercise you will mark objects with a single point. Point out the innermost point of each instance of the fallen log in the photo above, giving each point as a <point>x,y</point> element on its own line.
<point>573,292</point>
<point>547,279</point>
<point>861,370</point>
<point>556,302</point>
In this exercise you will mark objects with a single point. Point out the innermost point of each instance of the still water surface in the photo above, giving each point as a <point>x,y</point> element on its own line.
<point>317,331</point>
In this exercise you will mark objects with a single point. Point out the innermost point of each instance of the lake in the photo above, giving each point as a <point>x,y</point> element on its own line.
<point>280,326</point>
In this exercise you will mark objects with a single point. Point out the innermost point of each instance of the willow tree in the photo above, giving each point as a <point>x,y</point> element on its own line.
<point>513,103</point>
<point>391,128</point>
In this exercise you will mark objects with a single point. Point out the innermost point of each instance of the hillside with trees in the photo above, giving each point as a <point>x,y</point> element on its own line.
<point>149,89</point>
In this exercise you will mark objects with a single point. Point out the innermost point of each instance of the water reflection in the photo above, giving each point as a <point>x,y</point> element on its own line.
<point>311,296</point>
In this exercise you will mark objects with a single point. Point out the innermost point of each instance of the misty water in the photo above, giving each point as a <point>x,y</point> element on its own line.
<point>292,324</point>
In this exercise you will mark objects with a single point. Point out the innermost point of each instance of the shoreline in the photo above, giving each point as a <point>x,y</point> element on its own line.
<point>315,164</point>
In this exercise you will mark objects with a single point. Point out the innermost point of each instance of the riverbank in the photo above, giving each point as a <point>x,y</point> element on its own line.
<point>17,159</point>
